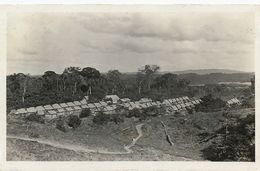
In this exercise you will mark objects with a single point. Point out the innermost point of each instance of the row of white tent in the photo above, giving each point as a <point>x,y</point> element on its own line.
<point>54,110</point>
<point>233,101</point>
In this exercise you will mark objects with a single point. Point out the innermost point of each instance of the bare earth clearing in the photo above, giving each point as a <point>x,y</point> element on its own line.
<point>131,140</point>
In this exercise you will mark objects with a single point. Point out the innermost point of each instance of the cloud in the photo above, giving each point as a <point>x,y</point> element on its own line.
<point>175,41</point>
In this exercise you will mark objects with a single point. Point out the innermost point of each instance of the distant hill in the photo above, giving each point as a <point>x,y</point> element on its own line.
<point>208,71</point>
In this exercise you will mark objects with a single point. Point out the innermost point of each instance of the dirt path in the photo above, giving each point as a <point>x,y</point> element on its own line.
<point>82,149</point>
<point>140,134</point>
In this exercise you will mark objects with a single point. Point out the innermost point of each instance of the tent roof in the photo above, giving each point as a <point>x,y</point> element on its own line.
<point>52,112</point>
<point>22,110</point>
<point>84,106</point>
<point>60,110</point>
<point>39,108</point>
<point>70,104</point>
<point>31,109</point>
<point>77,107</point>
<point>113,97</point>
<point>103,103</point>
<point>83,101</point>
<point>91,105</point>
<point>63,105</point>
<point>48,107</point>
<point>56,106</point>
<point>77,103</point>
<point>69,109</point>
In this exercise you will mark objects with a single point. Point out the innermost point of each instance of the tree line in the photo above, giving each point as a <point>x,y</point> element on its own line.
<point>24,90</point>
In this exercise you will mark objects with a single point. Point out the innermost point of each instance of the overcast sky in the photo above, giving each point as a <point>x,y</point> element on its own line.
<point>37,42</point>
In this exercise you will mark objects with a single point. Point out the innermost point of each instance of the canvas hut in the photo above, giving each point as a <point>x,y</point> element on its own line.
<point>84,106</point>
<point>61,112</point>
<point>77,103</point>
<point>20,112</point>
<point>48,107</point>
<point>64,105</point>
<point>124,100</point>
<point>40,110</point>
<point>70,104</point>
<point>56,106</point>
<point>114,98</point>
<point>51,114</point>
<point>103,103</point>
<point>145,100</point>
<point>83,101</point>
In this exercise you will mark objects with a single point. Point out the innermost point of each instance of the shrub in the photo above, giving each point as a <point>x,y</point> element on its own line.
<point>210,104</point>
<point>100,118</point>
<point>34,118</point>
<point>60,125</point>
<point>85,113</point>
<point>34,135</point>
<point>117,118</point>
<point>235,141</point>
<point>74,121</point>
<point>134,113</point>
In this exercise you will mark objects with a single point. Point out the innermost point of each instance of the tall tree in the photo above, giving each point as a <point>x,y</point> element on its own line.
<point>73,76</point>
<point>50,80</point>
<point>92,76</point>
<point>114,78</point>
<point>149,71</point>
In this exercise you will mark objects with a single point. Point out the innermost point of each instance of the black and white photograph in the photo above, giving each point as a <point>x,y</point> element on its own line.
<point>130,85</point>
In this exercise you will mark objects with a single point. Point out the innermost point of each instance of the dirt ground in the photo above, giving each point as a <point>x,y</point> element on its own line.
<point>112,137</point>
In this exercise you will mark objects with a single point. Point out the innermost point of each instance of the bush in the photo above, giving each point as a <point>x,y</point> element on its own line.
<point>85,113</point>
<point>74,121</point>
<point>117,118</point>
<point>60,125</point>
<point>236,143</point>
<point>100,118</point>
<point>210,104</point>
<point>34,118</point>
<point>33,135</point>
<point>134,113</point>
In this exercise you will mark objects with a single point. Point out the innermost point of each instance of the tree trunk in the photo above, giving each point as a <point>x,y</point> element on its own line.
<point>75,88</point>
<point>24,91</point>
<point>90,91</point>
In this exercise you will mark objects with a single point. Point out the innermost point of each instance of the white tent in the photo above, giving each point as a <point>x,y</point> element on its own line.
<point>39,108</point>
<point>21,111</point>
<point>56,106</point>
<point>31,110</point>
<point>70,104</point>
<point>63,105</point>
<point>77,103</point>
<point>83,101</point>
<point>48,107</point>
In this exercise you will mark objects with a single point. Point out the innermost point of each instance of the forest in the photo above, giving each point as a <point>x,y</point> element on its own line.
<point>74,83</point>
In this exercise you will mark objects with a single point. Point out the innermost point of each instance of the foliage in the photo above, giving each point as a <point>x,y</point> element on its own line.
<point>60,124</point>
<point>74,121</point>
<point>235,141</point>
<point>34,118</point>
<point>210,104</point>
<point>85,113</point>
<point>117,118</point>
<point>100,118</point>
<point>134,113</point>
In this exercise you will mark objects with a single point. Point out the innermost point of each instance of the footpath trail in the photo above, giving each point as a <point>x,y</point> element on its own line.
<point>140,134</point>
<point>83,149</point>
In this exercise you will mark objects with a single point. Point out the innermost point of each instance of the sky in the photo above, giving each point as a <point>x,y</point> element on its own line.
<point>38,42</point>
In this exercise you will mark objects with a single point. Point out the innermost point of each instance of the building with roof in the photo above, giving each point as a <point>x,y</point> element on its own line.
<point>56,106</point>
<point>145,100</point>
<point>83,101</point>
<point>70,104</point>
<point>77,103</point>
<point>48,107</point>
<point>124,100</point>
<point>113,98</point>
